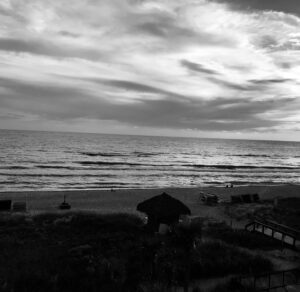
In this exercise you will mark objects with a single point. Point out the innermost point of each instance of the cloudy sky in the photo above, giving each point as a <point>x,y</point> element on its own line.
<point>203,68</point>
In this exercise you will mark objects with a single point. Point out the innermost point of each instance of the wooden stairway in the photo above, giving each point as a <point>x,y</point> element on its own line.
<point>275,230</point>
<point>272,280</point>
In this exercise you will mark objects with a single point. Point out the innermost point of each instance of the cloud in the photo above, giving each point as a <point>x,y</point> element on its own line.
<point>197,67</point>
<point>134,87</point>
<point>129,85</point>
<point>173,34</point>
<point>66,103</point>
<point>206,65</point>
<point>228,84</point>
<point>270,81</point>
<point>46,48</point>
<point>290,6</point>
<point>69,34</point>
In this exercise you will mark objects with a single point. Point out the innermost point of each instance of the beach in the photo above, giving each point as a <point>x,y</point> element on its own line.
<point>57,230</point>
<point>126,200</point>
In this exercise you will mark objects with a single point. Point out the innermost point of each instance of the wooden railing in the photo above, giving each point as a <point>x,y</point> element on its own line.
<point>262,226</point>
<point>271,280</point>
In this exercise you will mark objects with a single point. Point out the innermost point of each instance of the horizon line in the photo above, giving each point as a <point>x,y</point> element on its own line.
<point>158,136</point>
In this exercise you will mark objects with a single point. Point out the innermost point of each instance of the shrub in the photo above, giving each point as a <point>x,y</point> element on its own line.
<point>35,255</point>
<point>219,259</point>
<point>91,252</point>
<point>242,238</point>
<point>232,286</point>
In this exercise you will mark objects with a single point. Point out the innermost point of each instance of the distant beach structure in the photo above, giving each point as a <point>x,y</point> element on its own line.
<point>163,210</point>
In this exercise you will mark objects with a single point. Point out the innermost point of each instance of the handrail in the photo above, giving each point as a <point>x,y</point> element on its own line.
<point>271,273</point>
<point>276,227</point>
<point>263,220</point>
<point>268,275</point>
<point>283,226</point>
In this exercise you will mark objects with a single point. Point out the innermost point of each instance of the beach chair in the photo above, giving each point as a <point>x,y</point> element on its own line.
<point>5,205</point>
<point>255,198</point>
<point>246,198</point>
<point>19,207</point>
<point>236,199</point>
<point>212,199</point>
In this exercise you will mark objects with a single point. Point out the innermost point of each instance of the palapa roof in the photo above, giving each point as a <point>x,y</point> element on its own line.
<point>163,206</point>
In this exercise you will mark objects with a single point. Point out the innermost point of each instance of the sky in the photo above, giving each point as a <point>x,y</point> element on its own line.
<point>197,68</point>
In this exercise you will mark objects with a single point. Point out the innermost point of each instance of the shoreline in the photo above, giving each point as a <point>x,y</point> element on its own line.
<point>126,200</point>
<point>203,187</point>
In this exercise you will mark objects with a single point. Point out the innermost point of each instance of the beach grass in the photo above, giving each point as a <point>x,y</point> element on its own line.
<point>84,251</point>
<point>241,237</point>
<point>101,243</point>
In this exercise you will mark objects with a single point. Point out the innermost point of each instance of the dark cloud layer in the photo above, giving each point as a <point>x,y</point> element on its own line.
<point>287,6</point>
<point>65,103</point>
<point>133,86</point>
<point>197,67</point>
<point>69,34</point>
<point>270,81</point>
<point>229,84</point>
<point>45,48</point>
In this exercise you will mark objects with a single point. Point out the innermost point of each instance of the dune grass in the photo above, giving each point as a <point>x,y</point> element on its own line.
<point>217,259</point>
<point>91,252</point>
<point>287,211</point>
<point>241,237</point>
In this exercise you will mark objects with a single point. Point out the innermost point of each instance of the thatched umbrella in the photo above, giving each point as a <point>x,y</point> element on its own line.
<point>163,209</point>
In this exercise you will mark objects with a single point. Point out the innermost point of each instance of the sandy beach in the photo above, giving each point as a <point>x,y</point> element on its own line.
<point>105,201</point>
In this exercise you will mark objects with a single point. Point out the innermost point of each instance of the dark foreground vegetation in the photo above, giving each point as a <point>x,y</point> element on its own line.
<point>241,237</point>
<point>90,252</point>
<point>286,211</point>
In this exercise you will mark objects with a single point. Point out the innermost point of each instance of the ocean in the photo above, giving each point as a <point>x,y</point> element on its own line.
<point>72,161</point>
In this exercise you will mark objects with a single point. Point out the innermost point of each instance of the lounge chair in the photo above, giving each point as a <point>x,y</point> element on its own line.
<point>19,207</point>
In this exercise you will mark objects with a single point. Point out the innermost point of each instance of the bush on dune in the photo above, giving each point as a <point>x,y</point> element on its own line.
<point>233,286</point>
<point>52,249</point>
<point>241,238</point>
<point>219,259</point>
<point>288,212</point>
<point>91,252</point>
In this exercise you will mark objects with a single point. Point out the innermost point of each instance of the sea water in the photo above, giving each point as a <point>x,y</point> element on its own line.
<point>69,161</point>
